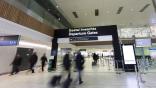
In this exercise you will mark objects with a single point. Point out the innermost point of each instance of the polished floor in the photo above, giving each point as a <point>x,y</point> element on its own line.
<point>101,76</point>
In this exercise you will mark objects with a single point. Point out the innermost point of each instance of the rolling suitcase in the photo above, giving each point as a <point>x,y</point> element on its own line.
<point>93,63</point>
<point>55,81</point>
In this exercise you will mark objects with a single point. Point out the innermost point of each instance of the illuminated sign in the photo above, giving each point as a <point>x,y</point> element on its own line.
<point>146,42</point>
<point>83,32</point>
<point>128,53</point>
<point>138,32</point>
<point>8,43</point>
<point>9,40</point>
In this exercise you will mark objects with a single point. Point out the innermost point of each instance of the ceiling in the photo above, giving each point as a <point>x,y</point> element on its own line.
<point>52,9</point>
<point>110,12</point>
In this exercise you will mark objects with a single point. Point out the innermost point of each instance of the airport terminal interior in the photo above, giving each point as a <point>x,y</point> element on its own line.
<point>77,43</point>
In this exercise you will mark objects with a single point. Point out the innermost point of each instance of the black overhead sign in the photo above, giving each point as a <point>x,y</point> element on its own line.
<point>86,31</point>
<point>83,32</point>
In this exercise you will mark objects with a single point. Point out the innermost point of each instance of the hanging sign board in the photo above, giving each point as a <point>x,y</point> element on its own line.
<point>144,42</point>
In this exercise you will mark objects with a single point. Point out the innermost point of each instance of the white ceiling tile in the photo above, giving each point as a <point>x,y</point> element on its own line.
<point>107,12</point>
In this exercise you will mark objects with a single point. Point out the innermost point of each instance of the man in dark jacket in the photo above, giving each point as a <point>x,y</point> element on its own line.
<point>16,63</point>
<point>67,63</point>
<point>94,57</point>
<point>79,61</point>
<point>33,61</point>
<point>43,61</point>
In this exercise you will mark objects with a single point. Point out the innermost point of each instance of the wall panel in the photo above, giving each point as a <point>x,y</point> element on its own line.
<point>12,13</point>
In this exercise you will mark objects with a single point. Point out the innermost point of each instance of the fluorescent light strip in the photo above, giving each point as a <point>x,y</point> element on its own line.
<point>119,10</point>
<point>96,12</point>
<point>144,8</point>
<point>75,14</point>
<point>25,43</point>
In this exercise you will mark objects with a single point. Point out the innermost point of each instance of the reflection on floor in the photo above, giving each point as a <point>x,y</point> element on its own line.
<point>146,66</point>
<point>101,76</point>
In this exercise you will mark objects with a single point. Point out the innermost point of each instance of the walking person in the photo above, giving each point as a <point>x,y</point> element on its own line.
<point>43,61</point>
<point>67,64</point>
<point>15,64</point>
<point>67,68</point>
<point>95,58</point>
<point>33,61</point>
<point>79,61</point>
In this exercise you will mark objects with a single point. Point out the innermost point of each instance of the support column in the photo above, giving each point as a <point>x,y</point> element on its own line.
<point>54,52</point>
<point>117,51</point>
<point>154,4</point>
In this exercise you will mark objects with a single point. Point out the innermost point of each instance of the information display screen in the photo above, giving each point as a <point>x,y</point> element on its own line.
<point>128,53</point>
<point>10,40</point>
<point>146,42</point>
<point>153,53</point>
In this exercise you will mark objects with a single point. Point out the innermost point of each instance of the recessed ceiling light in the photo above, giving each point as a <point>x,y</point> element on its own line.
<point>132,9</point>
<point>96,12</point>
<point>49,9</point>
<point>145,7</point>
<point>119,10</point>
<point>85,14</point>
<point>57,6</point>
<point>107,12</point>
<point>75,14</point>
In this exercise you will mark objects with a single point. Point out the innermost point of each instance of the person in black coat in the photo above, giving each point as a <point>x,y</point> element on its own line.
<point>16,63</point>
<point>33,61</point>
<point>43,61</point>
<point>95,58</point>
<point>79,61</point>
<point>67,63</point>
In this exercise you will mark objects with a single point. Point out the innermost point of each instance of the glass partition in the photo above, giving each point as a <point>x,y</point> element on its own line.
<point>40,11</point>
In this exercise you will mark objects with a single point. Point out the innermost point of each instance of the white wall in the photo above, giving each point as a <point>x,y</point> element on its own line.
<point>7,54</point>
<point>8,28</point>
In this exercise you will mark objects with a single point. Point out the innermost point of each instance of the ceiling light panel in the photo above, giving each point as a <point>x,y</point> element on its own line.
<point>96,12</point>
<point>75,14</point>
<point>120,10</point>
<point>144,8</point>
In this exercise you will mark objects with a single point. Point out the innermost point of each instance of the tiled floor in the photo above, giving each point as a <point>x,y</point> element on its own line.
<point>93,77</point>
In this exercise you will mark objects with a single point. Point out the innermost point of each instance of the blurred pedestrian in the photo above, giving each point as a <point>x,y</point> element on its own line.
<point>79,61</point>
<point>67,64</point>
<point>95,58</point>
<point>16,64</point>
<point>33,61</point>
<point>43,61</point>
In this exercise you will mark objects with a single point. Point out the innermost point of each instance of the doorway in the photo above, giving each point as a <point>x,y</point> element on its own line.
<point>25,53</point>
<point>104,50</point>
